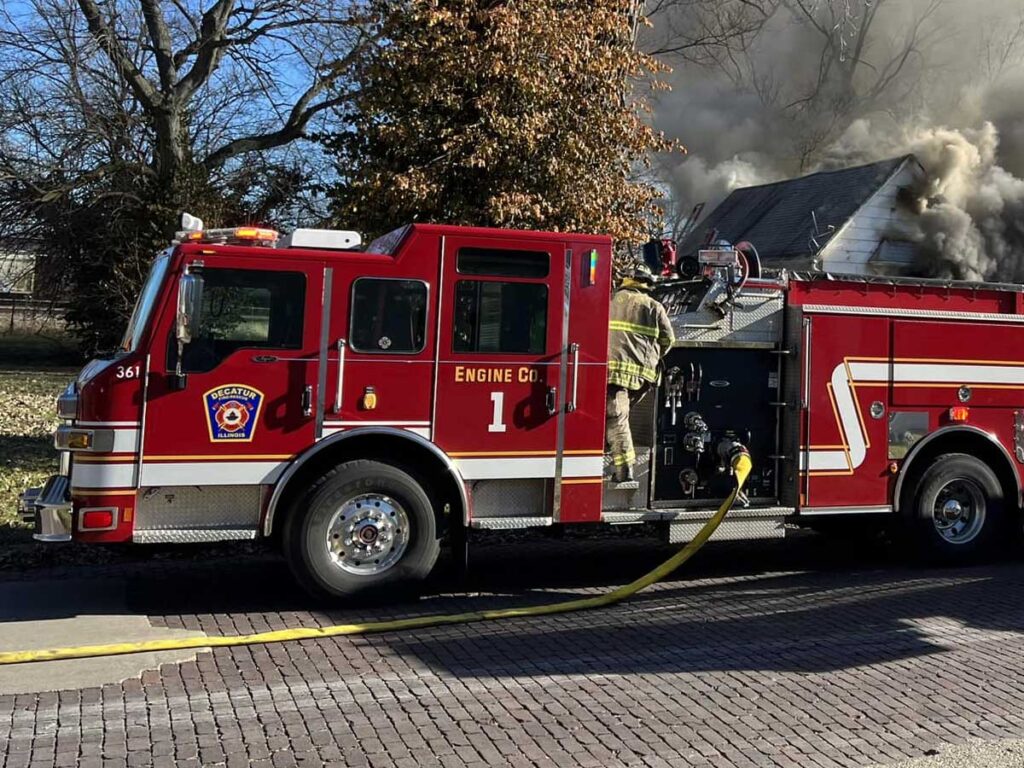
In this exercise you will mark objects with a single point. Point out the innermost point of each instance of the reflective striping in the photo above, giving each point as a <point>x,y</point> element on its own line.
<point>102,475</point>
<point>376,423</point>
<point>126,440</point>
<point>622,459</point>
<point>331,429</point>
<point>220,457</point>
<point>631,369</point>
<point>525,468</point>
<point>956,373</point>
<point>108,424</point>
<point>102,492</point>
<point>505,469</point>
<point>625,327</point>
<point>212,473</point>
<point>850,373</point>
<point>582,466</point>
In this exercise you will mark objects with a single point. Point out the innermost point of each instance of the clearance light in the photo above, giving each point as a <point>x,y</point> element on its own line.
<point>369,399</point>
<point>97,519</point>
<point>78,441</point>
<point>593,268</point>
<point>959,413</point>
<point>101,519</point>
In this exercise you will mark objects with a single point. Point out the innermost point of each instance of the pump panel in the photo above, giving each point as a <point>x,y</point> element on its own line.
<point>708,398</point>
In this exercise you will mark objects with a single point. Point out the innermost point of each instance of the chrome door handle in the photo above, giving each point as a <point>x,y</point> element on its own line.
<point>341,374</point>
<point>307,400</point>
<point>550,400</point>
<point>575,349</point>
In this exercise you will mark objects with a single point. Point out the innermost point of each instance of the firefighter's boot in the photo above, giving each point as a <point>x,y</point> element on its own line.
<point>623,474</point>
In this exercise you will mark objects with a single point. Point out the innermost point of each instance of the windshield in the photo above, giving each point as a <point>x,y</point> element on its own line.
<point>143,307</point>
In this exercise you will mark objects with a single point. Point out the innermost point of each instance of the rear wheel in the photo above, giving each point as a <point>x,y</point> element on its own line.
<point>366,528</point>
<point>958,509</point>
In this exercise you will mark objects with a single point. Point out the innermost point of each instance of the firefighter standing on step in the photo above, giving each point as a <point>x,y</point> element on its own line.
<point>640,334</point>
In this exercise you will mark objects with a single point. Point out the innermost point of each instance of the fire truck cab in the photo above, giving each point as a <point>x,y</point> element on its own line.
<point>362,404</point>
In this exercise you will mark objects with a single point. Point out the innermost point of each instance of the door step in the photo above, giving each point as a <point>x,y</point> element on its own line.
<point>683,524</point>
<point>730,530</point>
<point>509,523</point>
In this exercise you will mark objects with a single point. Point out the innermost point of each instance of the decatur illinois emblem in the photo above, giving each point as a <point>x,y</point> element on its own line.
<point>232,412</point>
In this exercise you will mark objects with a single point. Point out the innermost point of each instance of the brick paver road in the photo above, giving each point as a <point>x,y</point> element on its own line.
<point>795,653</point>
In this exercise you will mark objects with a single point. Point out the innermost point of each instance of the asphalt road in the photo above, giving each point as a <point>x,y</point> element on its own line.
<point>802,652</point>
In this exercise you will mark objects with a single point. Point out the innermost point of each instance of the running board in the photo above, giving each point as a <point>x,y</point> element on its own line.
<point>191,535</point>
<point>683,524</point>
<point>509,523</point>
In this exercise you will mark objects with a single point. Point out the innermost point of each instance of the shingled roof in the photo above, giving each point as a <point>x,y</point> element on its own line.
<point>776,217</point>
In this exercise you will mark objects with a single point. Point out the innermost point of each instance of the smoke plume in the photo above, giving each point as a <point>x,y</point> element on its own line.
<point>957,105</point>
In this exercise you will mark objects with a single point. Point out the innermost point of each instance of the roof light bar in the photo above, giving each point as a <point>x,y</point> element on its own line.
<point>251,235</point>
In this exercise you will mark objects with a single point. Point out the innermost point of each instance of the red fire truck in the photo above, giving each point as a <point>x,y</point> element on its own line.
<point>361,404</point>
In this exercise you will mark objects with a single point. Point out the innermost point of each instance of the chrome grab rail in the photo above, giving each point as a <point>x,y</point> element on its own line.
<point>341,374</point>
<point>575,349</point>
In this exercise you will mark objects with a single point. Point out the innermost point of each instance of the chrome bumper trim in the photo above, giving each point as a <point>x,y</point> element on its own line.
<point>52,510</point>
<point>27,504</point>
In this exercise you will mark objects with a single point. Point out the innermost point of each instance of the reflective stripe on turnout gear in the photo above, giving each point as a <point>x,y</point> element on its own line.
<point>643,330</point>
<point>639,335</point>
<point>623,459</point>
<point>632,369</point>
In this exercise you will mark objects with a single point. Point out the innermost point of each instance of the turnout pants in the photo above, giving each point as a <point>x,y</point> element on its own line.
<point>617,434</point>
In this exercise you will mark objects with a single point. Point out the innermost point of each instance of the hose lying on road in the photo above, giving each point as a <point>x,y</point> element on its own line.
<point>741,466</point>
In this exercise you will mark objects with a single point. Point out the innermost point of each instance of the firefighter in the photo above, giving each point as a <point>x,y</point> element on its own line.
<point>639,336</point>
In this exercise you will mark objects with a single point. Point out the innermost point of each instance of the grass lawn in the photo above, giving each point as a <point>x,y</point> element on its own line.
<point>27,421</point>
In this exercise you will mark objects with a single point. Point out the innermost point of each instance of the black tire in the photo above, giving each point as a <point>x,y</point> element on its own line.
<point>343,500</point>
<point>957,512</point>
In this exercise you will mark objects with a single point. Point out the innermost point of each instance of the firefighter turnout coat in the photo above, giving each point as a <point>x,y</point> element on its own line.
<point>640,334</point>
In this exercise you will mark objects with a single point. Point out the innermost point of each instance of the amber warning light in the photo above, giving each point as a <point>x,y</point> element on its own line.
<point>959,413</point>
<point>192,231</point>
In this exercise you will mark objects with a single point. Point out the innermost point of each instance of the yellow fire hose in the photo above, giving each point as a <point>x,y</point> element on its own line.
<point>741,465</point>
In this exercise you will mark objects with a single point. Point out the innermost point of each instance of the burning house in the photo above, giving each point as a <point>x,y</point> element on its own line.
<point>861,220</point>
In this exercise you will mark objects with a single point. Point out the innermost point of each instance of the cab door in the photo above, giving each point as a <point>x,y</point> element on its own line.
<point>500,369</point>
<point>247,401</point>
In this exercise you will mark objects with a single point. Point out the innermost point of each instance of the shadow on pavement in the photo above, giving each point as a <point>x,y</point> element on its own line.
<point>805,603</point>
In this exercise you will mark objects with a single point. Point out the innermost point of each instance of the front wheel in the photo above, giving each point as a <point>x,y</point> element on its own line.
<point>958,509</point>
<point>364,529</point>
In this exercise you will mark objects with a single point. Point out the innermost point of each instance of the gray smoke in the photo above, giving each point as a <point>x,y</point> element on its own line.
<point>958,105</point>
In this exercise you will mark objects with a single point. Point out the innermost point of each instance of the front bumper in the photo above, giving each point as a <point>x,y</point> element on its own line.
<point>49,509</point>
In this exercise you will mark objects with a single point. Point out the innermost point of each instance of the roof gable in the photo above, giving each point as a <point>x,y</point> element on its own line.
<point>776,217</point>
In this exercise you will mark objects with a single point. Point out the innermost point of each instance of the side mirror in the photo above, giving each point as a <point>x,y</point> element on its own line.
<point>190,302</point>
<point>188,318</point>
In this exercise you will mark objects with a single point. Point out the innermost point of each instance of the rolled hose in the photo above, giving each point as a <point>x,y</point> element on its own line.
<point>741,466</point>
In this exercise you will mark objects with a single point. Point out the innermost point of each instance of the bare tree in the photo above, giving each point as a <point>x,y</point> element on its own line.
<point>252,74</point>
<point>846,63</point>
<point>115,114</point>
<point>704,31</point>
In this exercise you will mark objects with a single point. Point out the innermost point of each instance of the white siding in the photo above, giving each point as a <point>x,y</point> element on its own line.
<point>882,216</point>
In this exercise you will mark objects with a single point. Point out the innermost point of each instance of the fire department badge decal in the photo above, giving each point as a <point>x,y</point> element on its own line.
<point>232,411</point>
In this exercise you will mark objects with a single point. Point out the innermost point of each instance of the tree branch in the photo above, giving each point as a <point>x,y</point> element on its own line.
<point>293,128</point>
<point>160,36</point>
<point>104,35</point>
<point>208,50</point>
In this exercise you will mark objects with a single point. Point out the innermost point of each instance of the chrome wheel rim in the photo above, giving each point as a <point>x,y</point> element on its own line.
<point>368,534</point>
<point>958,512</point>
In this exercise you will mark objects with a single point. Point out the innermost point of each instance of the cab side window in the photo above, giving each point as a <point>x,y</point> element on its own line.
<point>246,309</point>
<point>501,316</point>
<point>388,316</point>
